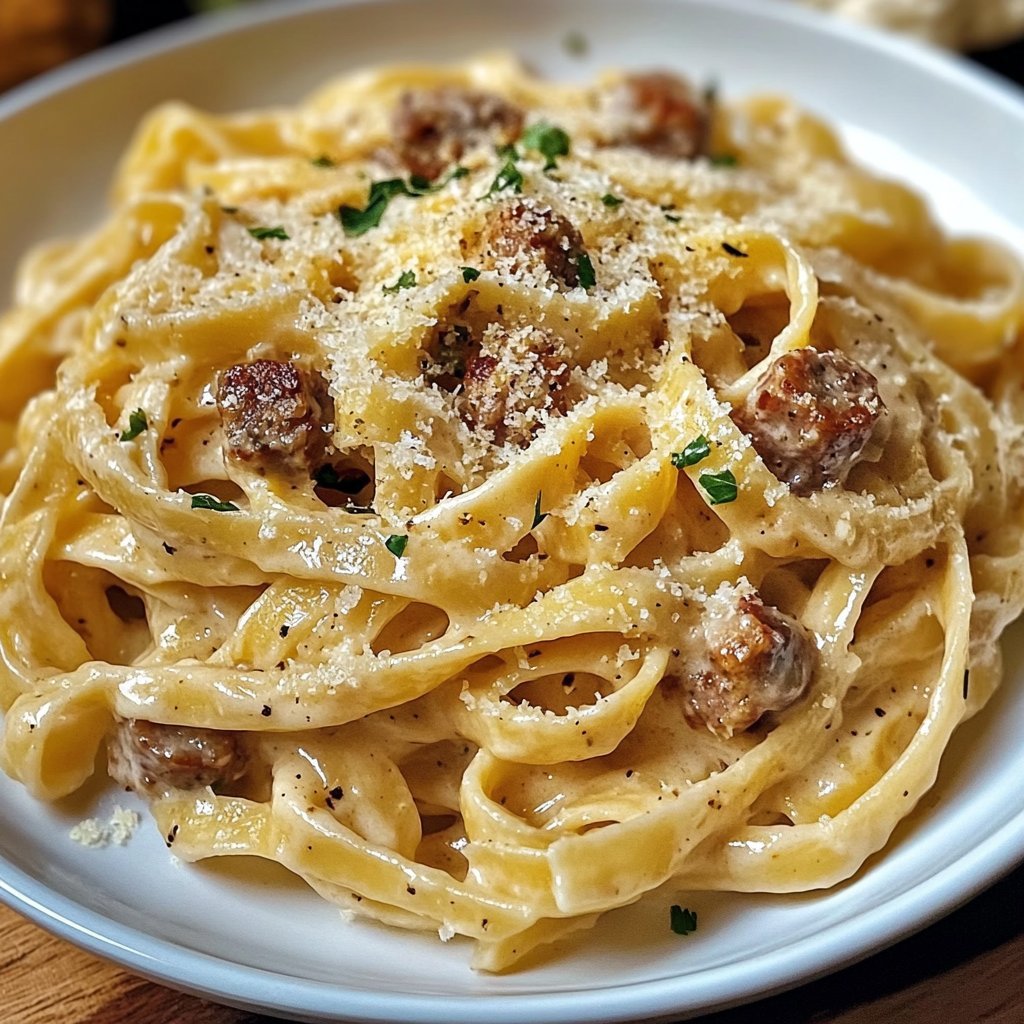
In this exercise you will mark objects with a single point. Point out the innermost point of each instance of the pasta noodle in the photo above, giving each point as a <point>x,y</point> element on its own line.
<point>492,499</point>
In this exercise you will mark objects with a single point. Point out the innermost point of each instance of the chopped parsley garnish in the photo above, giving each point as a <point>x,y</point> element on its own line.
<point>733,251</point>
<point>724,160</point>
<point>275,232</point>
<point>696,451</point>
<point>418,185</point>
<point>611,201</point>
<point>507,177</point>
<point>538,516</point>
<point>550,141</point>
<point>212,503</point>
<point>587,277</point>
<point>575,44</point>
<point>683,920</point>
<point>396,544</point>
<point>137,423</point>
<point>407,279</point>
<point>470,274</point>
<point>721,487</point>
<point>323,160</point>
<point>358,221</point>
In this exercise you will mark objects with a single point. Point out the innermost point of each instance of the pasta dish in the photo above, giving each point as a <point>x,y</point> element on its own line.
<point>492,499</point>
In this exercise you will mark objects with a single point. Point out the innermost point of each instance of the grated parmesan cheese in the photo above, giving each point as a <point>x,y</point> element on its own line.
<point>116,830</point>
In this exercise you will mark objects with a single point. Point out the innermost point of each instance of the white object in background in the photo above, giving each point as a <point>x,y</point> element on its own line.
<point>963,24</point>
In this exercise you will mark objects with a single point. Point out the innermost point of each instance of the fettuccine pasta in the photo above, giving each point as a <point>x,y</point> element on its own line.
<point>491,499</point>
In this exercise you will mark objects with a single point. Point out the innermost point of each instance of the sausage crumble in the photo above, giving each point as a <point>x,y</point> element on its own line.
<point>434,128</point>
<point>276,414</point>
<point>810,416</point>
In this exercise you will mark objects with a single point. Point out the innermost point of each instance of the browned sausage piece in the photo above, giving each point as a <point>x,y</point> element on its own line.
<point>511,381</point>
<point>275,413</point>
<point>810,416</point>
<point>147,756</point>
<point>524,234</point>
<point>661,113</point>
<point>433,128</point>
<point>758,660</point>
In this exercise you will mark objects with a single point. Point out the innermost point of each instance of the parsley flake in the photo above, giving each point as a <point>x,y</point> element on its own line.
<point>696,451</point>
<point>137,423</point>
<point>358,221</point>
<point>724,160</point>
<point>396,544</point>
<point>323,160</point>
<point>208,501</point>
<point>538,516</point>
<point>508,177</point>
<point>586,271</point>
<point>550,141</point>
<point>469,274</point>
<point>407,279</point>
<point>733,251</point>
<point>683,920</point>
<point>418,185</point>
<point>275,232</point>
<point>611,201</point>
<point>721,487</point>
<point>575,44</point>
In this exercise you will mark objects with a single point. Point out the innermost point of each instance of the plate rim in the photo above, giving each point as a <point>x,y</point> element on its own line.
<point>838,945</point>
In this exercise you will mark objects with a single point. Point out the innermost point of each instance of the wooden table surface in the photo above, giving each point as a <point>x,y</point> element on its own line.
<point>966,969</point>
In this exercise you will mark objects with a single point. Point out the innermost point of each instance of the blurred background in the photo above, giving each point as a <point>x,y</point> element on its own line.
<point>36,35</point>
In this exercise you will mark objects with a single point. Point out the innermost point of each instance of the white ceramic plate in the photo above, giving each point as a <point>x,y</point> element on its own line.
<point>250,936</point>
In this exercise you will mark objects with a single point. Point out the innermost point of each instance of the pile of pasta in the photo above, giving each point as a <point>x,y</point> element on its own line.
<point>458,689</point>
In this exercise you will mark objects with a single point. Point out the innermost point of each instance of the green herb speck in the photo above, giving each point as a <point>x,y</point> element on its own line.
<point>396,544</point>
<point>538,516</point>
<point>721,487</point>
<point>696,451</point>
<point>682,920</point>
<point>275,232</point>
<point>137,423</point>
<point>549,140</point>
<point>407,279</point>
<point>586,270</point>
<point>208,501</point>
